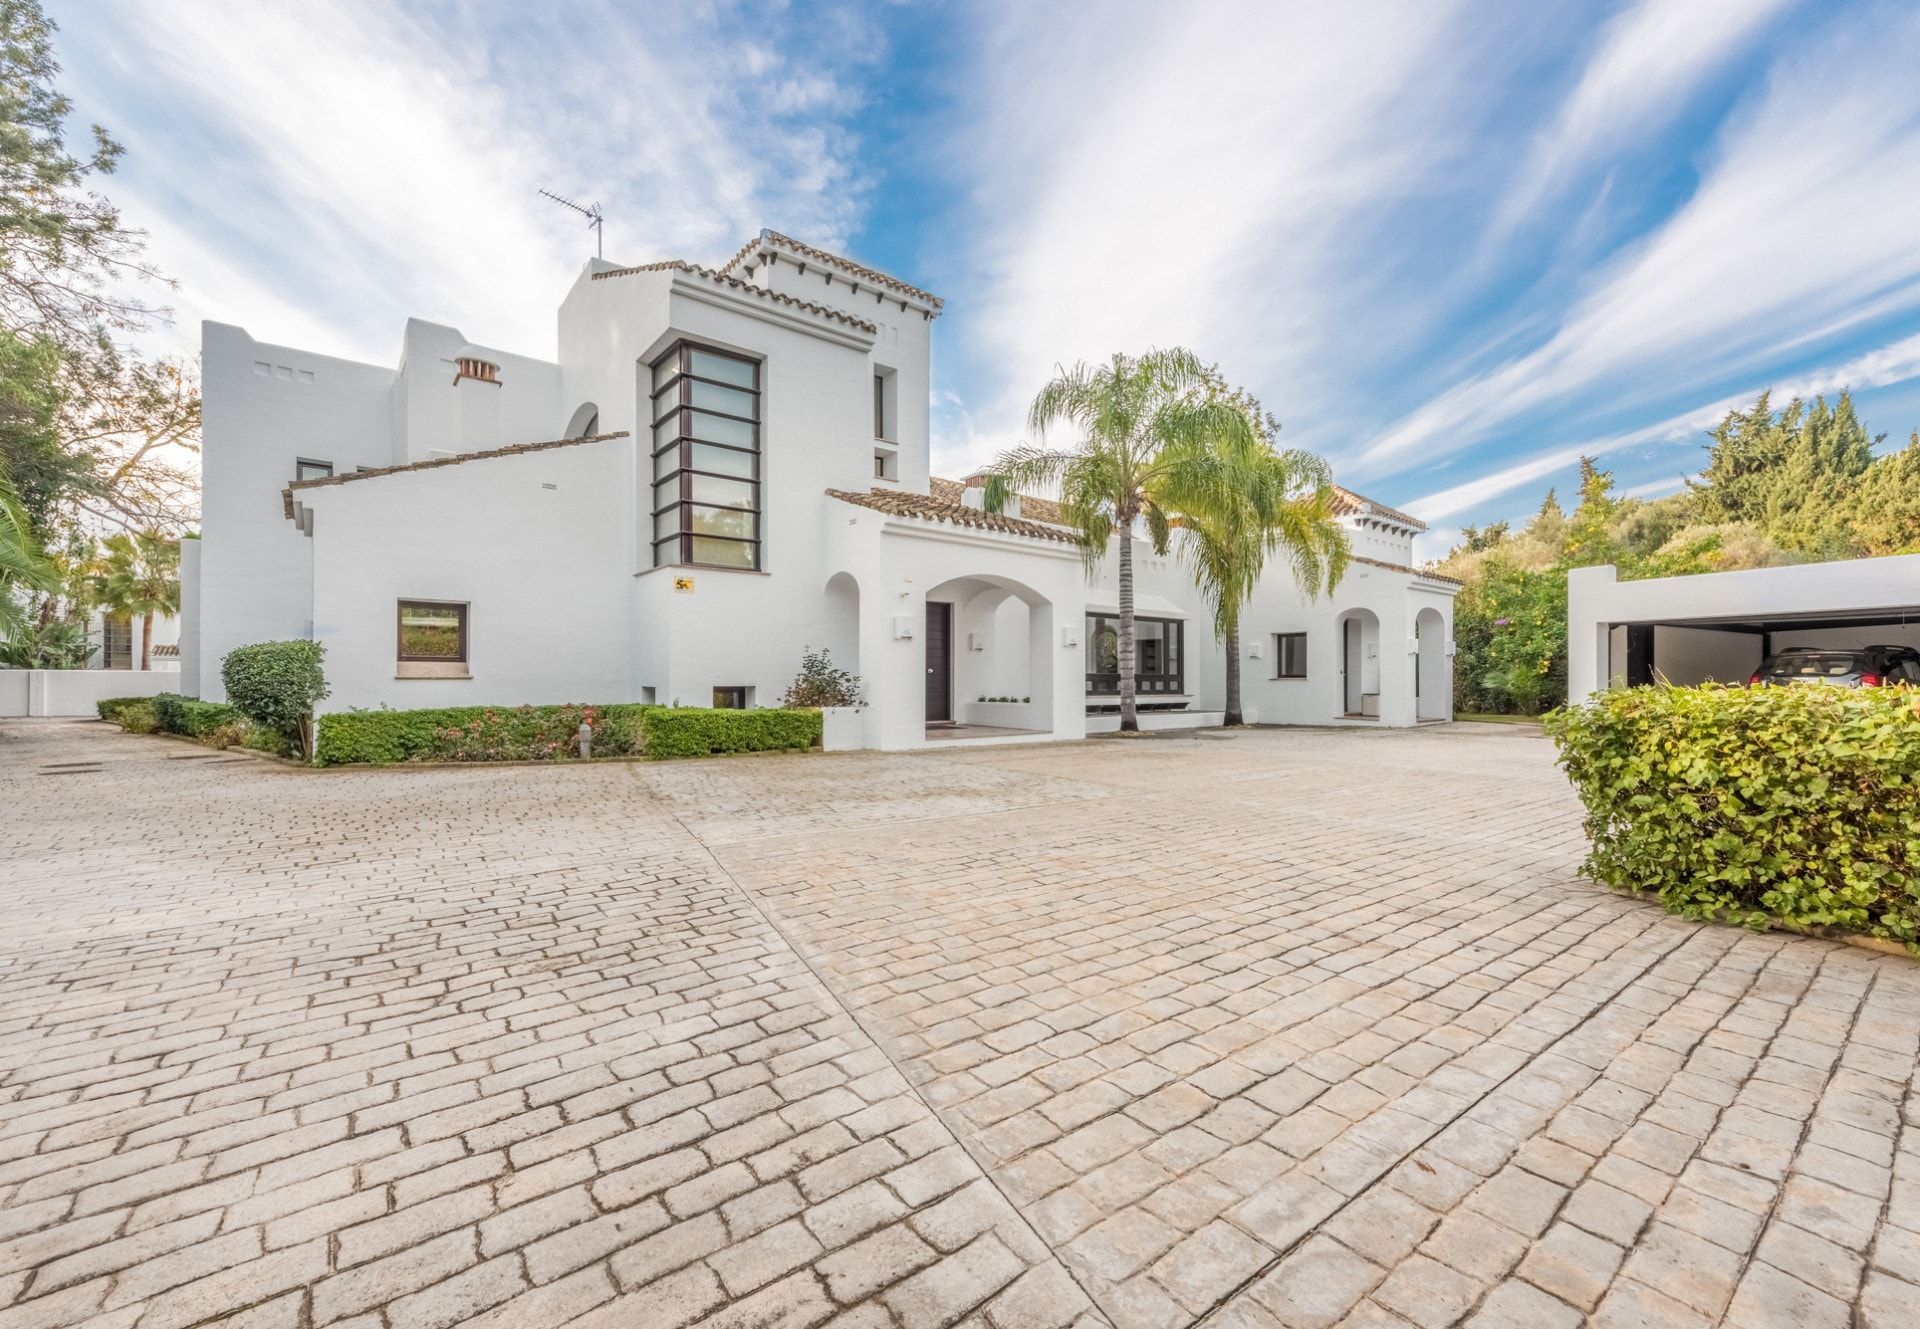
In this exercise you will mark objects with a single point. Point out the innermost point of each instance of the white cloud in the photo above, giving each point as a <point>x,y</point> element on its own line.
<point>1198,175</point>
<point>1805,221</point>
<point>1649,59</point>
<point>369,163</point>
<point>1895,362</point>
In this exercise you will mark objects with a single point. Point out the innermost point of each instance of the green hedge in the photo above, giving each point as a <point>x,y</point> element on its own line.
<point>110,708</point>
<point>1797,804</point>
<point>474,733</point>
<point>690,731</point>
<point>176,714</point>
<point>548,733</point>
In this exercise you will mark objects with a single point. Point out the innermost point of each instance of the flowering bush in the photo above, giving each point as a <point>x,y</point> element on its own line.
<point>821,682</point>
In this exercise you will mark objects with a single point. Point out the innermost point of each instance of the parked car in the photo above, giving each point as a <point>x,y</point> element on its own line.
<point>1846,667</point>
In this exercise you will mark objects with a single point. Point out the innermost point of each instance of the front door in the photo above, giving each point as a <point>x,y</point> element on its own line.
<point>939,661</point>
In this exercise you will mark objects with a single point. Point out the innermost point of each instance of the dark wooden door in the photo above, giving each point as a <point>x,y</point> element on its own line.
<point>939,660</point>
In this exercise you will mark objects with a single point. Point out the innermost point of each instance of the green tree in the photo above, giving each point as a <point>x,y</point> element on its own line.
<point>139,576</point>
<point>1253,501</point>
<point>24,567</point>
<point>1147,424</point>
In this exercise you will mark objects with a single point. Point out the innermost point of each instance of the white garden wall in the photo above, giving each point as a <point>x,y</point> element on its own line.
<point>73,692</point>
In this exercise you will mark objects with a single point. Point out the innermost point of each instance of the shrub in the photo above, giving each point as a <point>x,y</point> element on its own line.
<point>137,716</point>
<point>175,714</point>
<point>821,682</point>
<point>1751,805</point>
<point>475,733</point>
<point>111,708</point>
<point>276,684</point>
<point>687,731</point>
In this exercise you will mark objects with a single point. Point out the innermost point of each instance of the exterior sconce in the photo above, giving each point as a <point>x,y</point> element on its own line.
<point>975,642</point>
<point>903,627</point>
<point>1253,649</point>
<point>1069,636</point>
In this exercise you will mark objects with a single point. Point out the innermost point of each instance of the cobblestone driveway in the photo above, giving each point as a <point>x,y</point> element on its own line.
<point>1282,1028</point>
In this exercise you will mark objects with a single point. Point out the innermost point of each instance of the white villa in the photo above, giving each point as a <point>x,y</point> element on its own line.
<point>724,467</point>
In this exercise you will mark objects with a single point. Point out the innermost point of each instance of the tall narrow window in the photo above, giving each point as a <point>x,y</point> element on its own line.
<point>706,458</point>
<point>1290,654</point>
<point>880,406</point>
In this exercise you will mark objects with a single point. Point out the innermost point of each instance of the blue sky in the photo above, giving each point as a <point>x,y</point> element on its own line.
<point>1452,245</point>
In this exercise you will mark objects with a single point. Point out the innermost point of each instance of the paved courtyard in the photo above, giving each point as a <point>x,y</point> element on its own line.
<point>1264,1029</point>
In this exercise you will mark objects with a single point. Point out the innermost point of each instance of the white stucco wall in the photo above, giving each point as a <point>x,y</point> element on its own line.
<point>76,692</point>
<point>520,539</point>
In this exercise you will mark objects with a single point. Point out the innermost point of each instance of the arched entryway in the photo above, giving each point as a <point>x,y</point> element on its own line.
<point>989,658</point>
<point>1359,636</point>
<point>1433,671</point>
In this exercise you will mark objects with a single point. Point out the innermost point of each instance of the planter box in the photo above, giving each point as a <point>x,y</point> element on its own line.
<point>1002,714</point>
<point>843,728</point>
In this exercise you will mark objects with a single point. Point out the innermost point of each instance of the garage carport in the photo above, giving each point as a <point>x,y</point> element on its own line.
<point>1720,625</point>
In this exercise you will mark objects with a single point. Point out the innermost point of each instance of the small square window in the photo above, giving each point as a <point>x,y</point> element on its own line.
<point>730,699</point>
<point>1290,654</point>
<point>306,469</point>
<point>433,632</point>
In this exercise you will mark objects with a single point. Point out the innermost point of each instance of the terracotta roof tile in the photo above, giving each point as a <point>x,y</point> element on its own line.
<point>818,255</point>
<point>1031,508</point>
<point>932,507</point>
<point>1346,503</point>
<point>720,278</point>
<point>1402,567</point>
<point>514,450</point>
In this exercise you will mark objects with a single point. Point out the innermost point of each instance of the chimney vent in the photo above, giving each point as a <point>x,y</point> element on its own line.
<point>474,368</point>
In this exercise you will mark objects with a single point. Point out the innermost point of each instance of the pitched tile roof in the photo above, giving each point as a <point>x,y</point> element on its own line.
<point>818,255</point>
<point>1346,503</point>
<point>286,495</point>
<point>721,279</point>
<point>1031,508</point>
<point>1402,567</point>
<point>932,507</point>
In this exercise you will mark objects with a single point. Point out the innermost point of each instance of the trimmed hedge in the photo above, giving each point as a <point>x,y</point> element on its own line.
<point>277,684</point>
<point>691,731</point>
<point>550,733</point>
<point>474,733</point>
<point>176,714</point>
<point>111,707</point>
<point>1753,805</point>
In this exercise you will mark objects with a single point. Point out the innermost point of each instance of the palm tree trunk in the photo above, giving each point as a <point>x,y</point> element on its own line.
<point>146,641</point>
<point>1233,675</point>
<point>1129,714</point>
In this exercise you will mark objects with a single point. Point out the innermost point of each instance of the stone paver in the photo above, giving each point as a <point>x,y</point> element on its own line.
<point>1273,1028</point>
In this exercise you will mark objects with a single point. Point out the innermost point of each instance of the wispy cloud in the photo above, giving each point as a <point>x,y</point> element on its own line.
<point>1649,60</point>
<point>376,162</point>
<point>1804,221</point>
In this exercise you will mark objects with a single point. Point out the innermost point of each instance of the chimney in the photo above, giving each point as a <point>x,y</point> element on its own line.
<point>476,387</point>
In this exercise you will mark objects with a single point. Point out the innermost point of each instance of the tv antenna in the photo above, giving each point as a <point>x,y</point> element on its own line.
<point>591,212</point>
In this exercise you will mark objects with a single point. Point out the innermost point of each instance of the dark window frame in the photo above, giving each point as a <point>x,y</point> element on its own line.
<point>300,465</point>
<point>738,694</point>
<point>400,631</point>
<point>1280,640</point>
<point>1146,684</point>
<point>672,400</point>
<point>880,407</point>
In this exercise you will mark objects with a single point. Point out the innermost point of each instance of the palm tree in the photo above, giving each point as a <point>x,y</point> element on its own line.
<point>140,575</point>
<point>1274,503</point>
<point>1148,426</point>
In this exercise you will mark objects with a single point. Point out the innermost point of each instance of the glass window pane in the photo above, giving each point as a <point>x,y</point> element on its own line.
<point>740,373</point>
<point>665,493</point>
<point>665,432</point>
<point>666,523</point>
<point>665,368</point>
<point>723,553</point>
<point>723,460</point>
<point>666,551</point>
<point>666,463</point>
<point>430,632</point>
<point>714,429</point>
<point>722,493</point>
<point>730,400</point>
<point>664,403</point>
<point>730,522</point>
